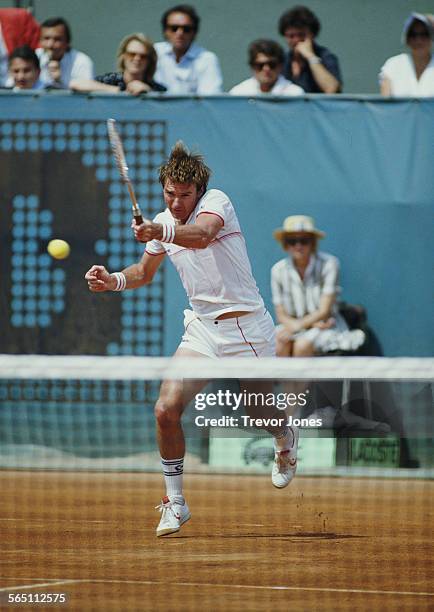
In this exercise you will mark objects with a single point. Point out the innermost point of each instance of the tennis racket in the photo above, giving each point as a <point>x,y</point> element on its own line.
<point>121,162</point>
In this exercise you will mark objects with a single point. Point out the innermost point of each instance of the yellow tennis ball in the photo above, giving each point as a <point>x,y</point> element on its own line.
<point>59,249</point>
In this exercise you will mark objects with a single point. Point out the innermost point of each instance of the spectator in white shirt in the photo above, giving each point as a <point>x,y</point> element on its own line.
<point>411,74</point>
<point>183,66</point>
<point>266,59</point>
<point>60,63</point>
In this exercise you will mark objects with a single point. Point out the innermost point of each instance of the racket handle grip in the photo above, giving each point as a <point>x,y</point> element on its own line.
<point>138,219</point>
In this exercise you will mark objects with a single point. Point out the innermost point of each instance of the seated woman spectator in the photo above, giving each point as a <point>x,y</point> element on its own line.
<point>24,69</point>
<point>411,74</point>
<point>305,286</point>
<point>265,57</point>
<point>137,61</point>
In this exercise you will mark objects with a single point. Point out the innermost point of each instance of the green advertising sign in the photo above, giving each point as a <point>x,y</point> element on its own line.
<point>381,452</point>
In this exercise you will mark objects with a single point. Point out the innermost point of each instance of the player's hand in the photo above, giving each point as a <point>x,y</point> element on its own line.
<point>137,87</point>
<point>305,48</point>
<point>145,231</point>
<point>99,279</point>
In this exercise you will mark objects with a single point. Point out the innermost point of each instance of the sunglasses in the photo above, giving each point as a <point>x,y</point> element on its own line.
<point>418,35</point>
<point>132,54</point>
<point>187,29</point>
<point>272,64</point>
<point>294,241</point>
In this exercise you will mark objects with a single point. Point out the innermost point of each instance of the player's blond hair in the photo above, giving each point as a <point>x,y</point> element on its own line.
<point>185,167</point>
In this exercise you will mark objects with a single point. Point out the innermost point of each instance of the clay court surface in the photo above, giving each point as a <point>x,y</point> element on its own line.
<point>321,544</point>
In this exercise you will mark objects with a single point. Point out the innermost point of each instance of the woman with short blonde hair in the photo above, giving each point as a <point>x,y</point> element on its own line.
<point>149,50</point>
<point>136,63</point>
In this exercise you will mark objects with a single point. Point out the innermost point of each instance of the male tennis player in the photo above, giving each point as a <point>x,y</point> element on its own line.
<point>199,231</point>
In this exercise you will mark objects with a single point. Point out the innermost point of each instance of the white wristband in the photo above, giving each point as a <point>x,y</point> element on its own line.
<point>168,232</point>
<point>121,281</point>
<point>314,60</point>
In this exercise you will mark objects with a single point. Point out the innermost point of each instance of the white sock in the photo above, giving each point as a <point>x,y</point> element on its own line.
<point>173,470</point>
<point>285,442</point>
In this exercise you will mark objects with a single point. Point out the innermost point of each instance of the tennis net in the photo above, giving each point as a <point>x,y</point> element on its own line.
<point>96,413</point>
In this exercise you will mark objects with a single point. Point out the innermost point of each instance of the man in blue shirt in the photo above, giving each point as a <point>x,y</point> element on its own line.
<point>183,66</point>
<point>314,68</point>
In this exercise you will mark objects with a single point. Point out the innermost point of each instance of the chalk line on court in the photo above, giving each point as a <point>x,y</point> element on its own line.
<point>215,585</point>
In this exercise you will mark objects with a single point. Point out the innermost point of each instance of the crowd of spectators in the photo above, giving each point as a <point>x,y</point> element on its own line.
<point>34,56</point>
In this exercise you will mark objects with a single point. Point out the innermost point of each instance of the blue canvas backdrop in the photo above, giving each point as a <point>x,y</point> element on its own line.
<point>362,167</point>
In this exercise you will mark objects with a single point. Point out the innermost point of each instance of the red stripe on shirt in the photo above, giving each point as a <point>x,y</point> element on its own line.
<point>225,236</point>
<point>213,242</point>
<point>208,212</point>
<point>228,236</point>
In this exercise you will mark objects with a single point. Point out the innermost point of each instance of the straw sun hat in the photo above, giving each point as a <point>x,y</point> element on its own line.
<point>297,224</point>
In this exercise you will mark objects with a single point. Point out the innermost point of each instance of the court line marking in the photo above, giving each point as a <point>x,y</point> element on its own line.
<point>14,579</point>
<point>210,584</point>
<point>57,521</point>
<point>38,585</point>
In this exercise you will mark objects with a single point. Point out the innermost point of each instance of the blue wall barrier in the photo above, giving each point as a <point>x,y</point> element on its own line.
<point>362,167</point>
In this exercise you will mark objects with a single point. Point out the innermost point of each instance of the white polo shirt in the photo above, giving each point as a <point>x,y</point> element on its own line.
<point>217,279</point>
<point>403,80</point>
<point>282,87</point>
<point>73,65</point>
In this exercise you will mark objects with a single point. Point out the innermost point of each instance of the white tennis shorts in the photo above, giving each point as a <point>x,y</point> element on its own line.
<point>252,335</point>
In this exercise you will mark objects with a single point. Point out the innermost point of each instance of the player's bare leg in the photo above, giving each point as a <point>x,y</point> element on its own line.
<point>174,396</point>
<point>285,460</point>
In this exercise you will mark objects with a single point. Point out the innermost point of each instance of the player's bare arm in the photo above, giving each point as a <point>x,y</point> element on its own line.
<point>198,235</point>
<point>138,274</point>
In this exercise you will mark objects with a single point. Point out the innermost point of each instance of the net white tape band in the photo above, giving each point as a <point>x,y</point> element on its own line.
<point>150,368</point>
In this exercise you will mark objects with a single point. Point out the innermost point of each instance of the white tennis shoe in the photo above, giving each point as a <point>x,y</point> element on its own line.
<point>285,461</point>
<point>173,515</point>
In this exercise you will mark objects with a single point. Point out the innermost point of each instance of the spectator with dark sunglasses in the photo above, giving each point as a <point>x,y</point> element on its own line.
<point>305,287</point>
<point>183,66</point>
<point>265,58</point>
<point>411,74</point>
